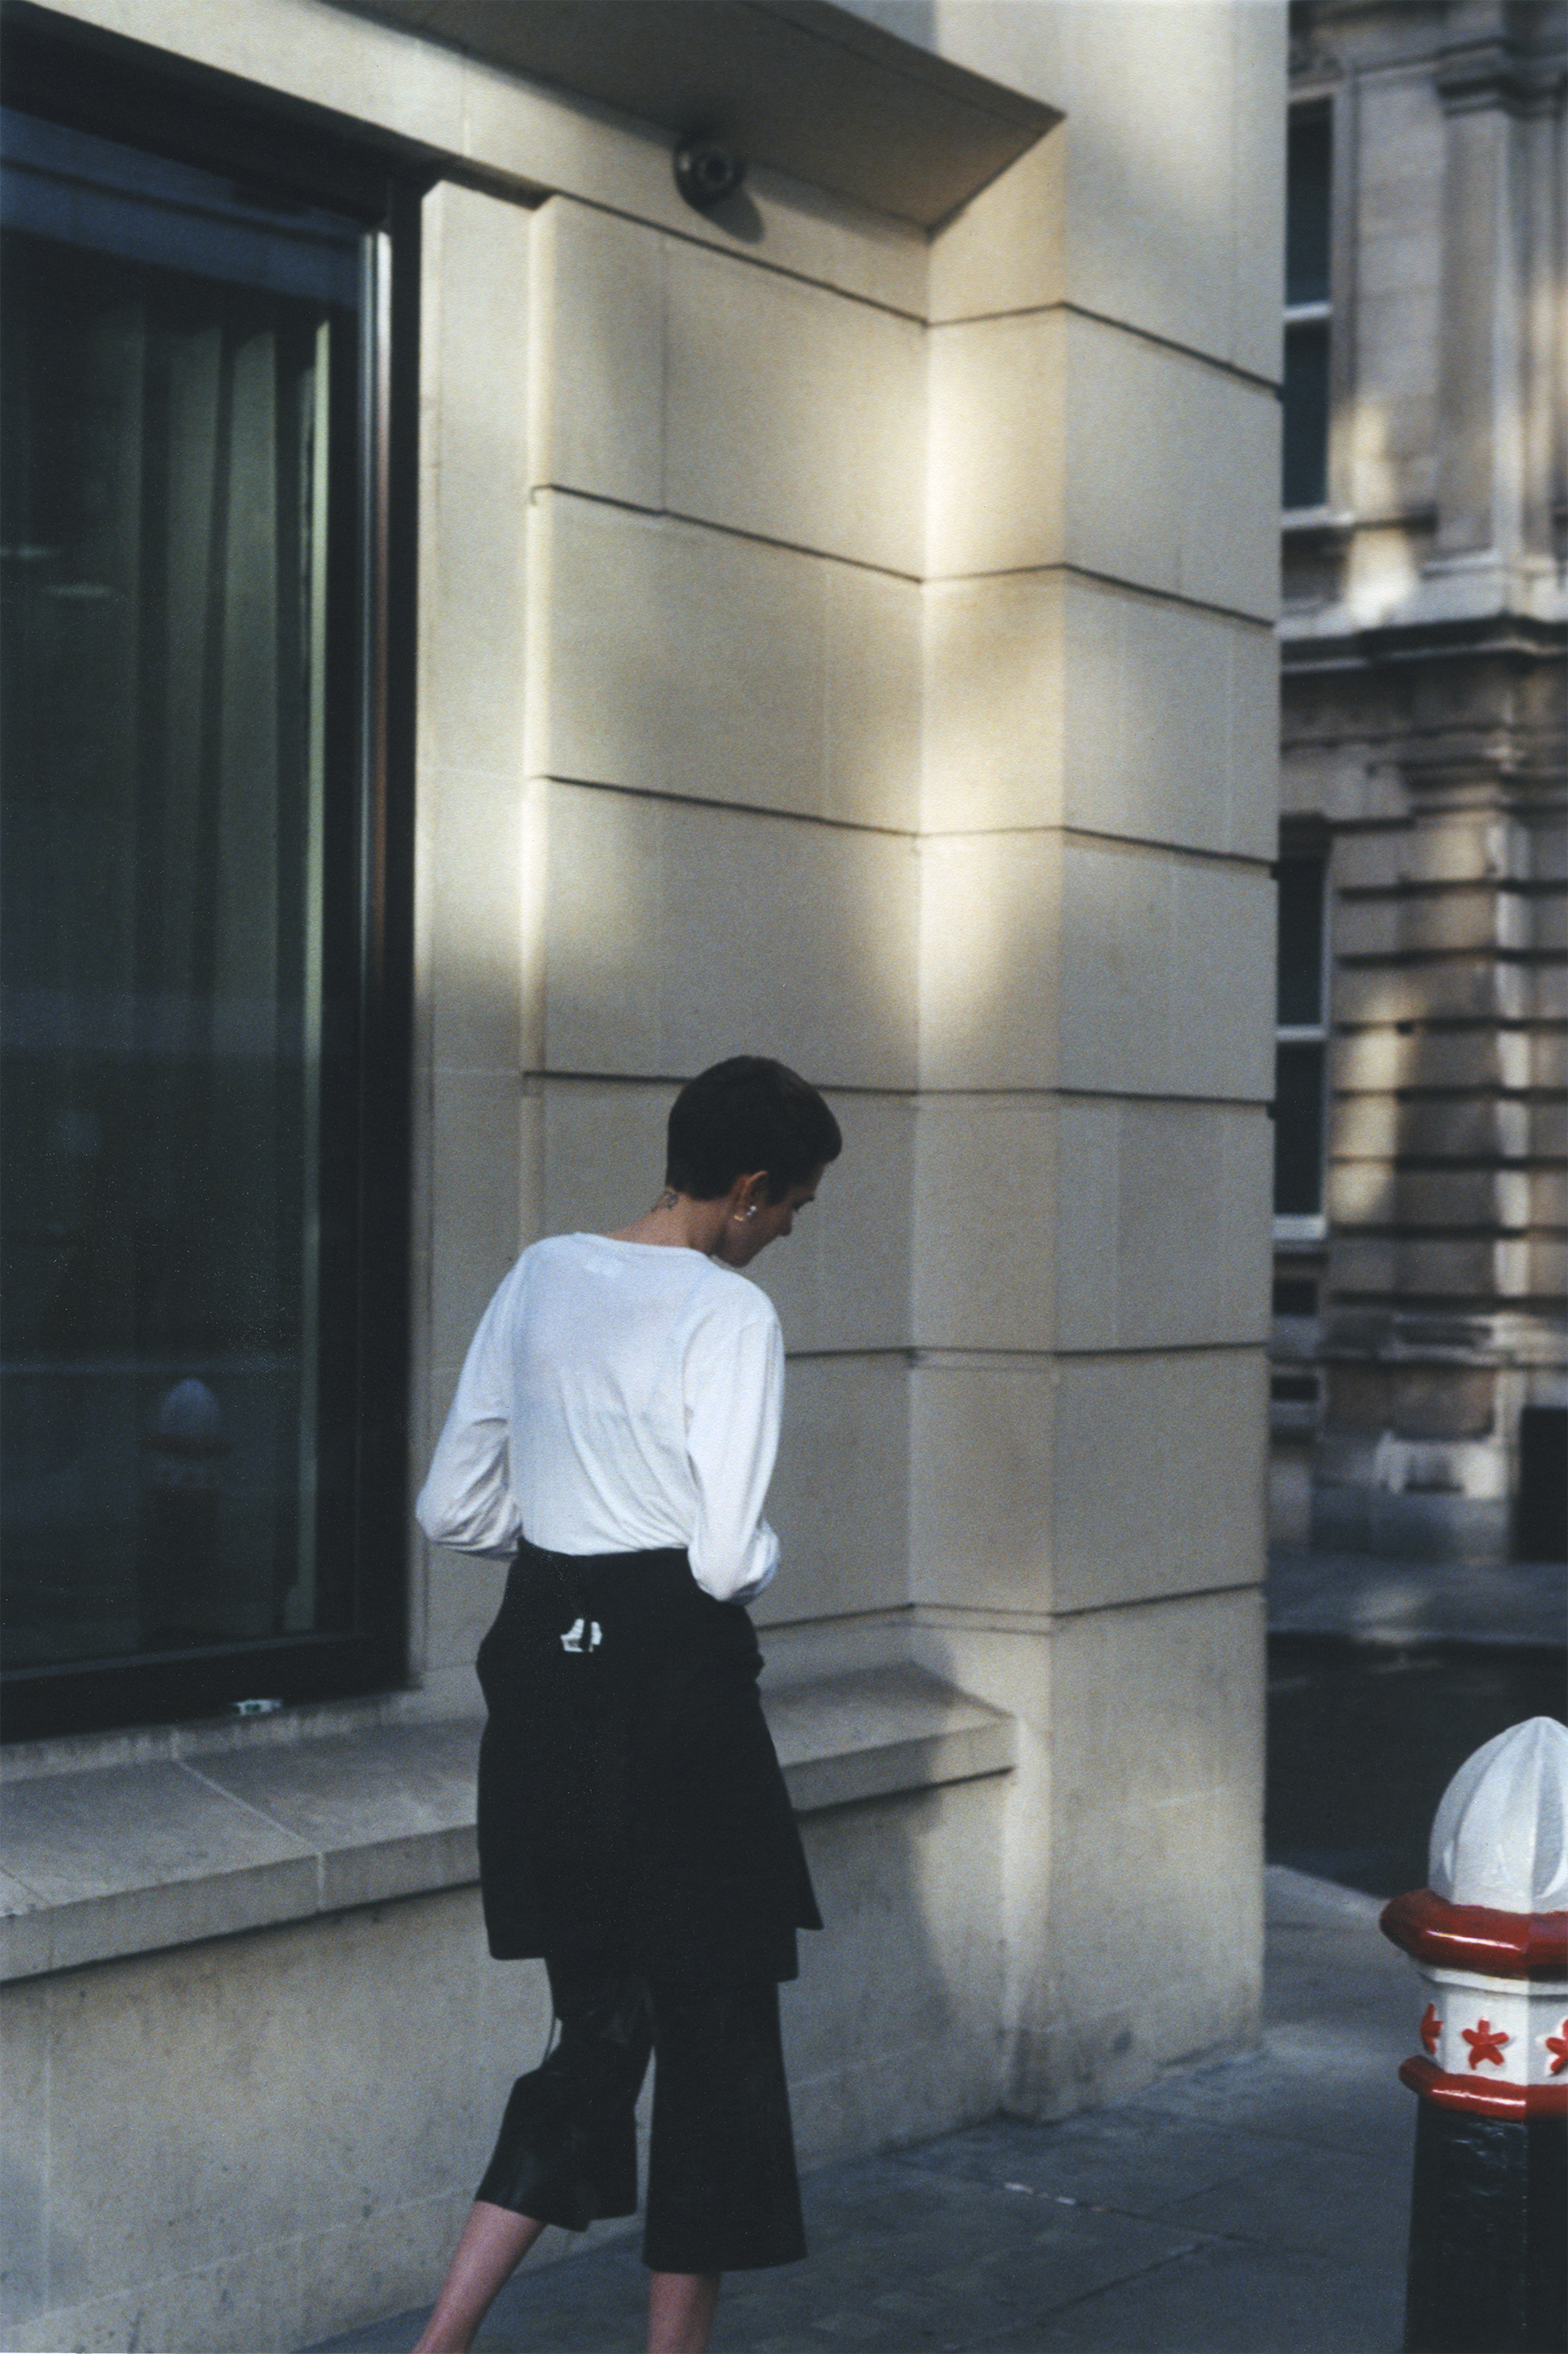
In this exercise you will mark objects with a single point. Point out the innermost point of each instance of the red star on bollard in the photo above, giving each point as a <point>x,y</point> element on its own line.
<point>1432,2028</point>
<point>1485,2042</point>
<point>1558,2043</point>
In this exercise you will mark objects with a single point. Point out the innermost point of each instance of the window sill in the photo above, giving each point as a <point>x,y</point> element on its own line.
<point>1316,522</point>
<point>112,1860</point>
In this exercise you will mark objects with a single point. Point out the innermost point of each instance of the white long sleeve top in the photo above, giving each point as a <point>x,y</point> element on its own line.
<point>618,1397</point>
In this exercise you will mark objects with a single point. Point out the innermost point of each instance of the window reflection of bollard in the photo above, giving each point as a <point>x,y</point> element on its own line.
<point>181,1600</point>
<point>1488,2220</point>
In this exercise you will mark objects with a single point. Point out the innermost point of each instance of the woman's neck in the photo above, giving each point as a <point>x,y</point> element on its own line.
<point>678,1223</point>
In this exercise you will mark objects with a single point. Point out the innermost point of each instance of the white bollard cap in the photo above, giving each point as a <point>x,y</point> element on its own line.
<point>1500,1838</point>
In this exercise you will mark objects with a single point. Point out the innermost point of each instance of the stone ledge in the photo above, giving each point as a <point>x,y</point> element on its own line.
<point>843,1739</point>
<point>120,1860</point>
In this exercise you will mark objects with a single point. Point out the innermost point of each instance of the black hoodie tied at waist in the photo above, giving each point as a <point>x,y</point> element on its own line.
<point>631,1807</point>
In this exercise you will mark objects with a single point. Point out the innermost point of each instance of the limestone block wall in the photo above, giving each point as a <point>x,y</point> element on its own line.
<point>253,2141</point>
<point>685,794</point>
<point>1443,1268</point>
<point>1425,719</point>
<point>472,1171</point>
<point>1097,937</point>
<point>723,752</point>
<point>853,645</point>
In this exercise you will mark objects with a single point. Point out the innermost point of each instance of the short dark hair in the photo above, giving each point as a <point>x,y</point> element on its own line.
<point>746,1114</point>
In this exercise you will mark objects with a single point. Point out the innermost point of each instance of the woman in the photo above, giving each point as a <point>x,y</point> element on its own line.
<point>615,1428</point>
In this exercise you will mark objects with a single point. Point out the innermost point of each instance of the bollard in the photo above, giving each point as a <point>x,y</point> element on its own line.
<point>1488,2217</point>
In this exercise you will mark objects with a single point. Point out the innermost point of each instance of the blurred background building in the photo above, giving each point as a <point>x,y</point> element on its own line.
<point>1419,1387</point>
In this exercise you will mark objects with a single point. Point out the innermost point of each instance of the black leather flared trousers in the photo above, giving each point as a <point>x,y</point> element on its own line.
<point>723,2195</point>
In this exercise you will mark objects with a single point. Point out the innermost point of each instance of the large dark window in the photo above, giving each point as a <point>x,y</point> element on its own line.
<point>1302,1042</point>
<point>201,1069</point>
<point>1308,318</point>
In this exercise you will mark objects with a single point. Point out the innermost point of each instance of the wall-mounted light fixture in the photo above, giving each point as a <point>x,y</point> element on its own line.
<point>706,172</point>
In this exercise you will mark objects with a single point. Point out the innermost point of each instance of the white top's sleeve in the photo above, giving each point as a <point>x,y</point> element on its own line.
<point>733,1384</point>
<point>467,1501</point>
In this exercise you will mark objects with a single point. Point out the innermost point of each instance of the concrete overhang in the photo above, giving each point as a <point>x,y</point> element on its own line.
<point>799,85</point>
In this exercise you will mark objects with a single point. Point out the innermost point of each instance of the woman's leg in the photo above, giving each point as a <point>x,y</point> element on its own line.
<point>493,2244</point>
<point>567,2151</point>
<point>721,2176</point>
<point>680,2312</point>
<point>722,2188</point>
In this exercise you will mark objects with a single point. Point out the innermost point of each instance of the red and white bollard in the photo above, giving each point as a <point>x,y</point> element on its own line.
<point>1488,2224</point>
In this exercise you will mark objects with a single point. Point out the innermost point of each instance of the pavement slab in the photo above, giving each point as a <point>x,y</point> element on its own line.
<point>1108,2157</point>
<point>1228,2297</point>
<point>1314,2202</point>
<point>1373,1597</point>
<point>1254,2203</point>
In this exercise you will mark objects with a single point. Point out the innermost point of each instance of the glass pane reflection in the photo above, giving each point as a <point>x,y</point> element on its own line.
<point>1306,423</point>
<point>1298,1074</point>
<point>178,363</point>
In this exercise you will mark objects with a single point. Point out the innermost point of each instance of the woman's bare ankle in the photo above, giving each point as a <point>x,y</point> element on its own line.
<point>681,2311</point>
<point>495,2242</point>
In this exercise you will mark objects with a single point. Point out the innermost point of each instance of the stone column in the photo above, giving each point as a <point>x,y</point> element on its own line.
<point>1444,1273</point>
<point>1498,101</point>
<point>1095,945</point>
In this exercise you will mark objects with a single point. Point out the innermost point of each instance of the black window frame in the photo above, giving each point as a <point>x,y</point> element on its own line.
<point>1309,1041</point>
<point>100,83</point>
<point>1307,391</point>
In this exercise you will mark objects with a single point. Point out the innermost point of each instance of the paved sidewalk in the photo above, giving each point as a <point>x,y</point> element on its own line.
<point>1251,2205</point>
<point>1376,1598</point>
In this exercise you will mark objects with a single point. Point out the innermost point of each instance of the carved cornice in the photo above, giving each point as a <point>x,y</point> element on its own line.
<point>1515,639</point>
<point>1476,76</point>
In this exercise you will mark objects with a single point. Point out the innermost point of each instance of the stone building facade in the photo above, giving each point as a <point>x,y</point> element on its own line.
<point>1420,1385</point>
<point>837,624</point>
